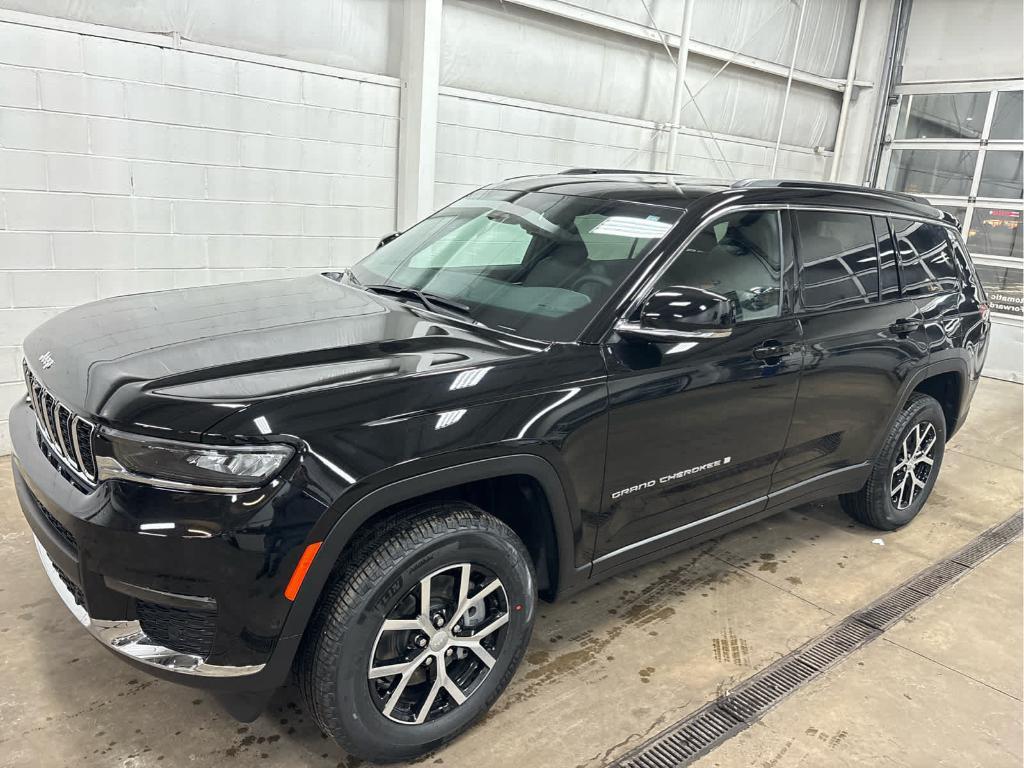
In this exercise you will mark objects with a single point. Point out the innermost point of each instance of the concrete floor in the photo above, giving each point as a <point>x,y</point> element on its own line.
<point>627,657</point>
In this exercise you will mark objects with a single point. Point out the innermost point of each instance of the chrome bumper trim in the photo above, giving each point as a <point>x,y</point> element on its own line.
<point>128,639</point>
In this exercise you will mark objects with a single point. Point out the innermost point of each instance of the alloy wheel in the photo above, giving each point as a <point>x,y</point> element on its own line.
<point>438,644</point>
<point>913,465</point>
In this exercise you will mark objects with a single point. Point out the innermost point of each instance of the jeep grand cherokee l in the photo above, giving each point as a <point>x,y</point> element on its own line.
<point>370,476</point>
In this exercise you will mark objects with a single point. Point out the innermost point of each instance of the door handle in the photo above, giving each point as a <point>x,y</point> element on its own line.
<point>770,350</point>
<point>904,327</point>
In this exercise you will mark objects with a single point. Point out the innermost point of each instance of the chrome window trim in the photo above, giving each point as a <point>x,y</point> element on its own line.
<point>647,284</point>
<point>127,638</point>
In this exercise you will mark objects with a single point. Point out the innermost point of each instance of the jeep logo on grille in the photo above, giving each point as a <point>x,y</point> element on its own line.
<point>46,360</point>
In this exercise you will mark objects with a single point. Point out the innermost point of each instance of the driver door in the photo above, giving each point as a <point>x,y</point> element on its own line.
<point>696,425</point>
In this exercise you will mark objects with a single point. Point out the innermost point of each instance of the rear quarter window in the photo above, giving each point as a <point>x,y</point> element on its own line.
<point>926,257</point>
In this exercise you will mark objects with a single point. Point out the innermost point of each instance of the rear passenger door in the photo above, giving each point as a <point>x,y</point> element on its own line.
<point>863,338</point>
<point>930,278</point>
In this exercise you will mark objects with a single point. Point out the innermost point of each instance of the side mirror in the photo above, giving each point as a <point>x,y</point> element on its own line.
<point>681,312</point>
<point>387,239</point>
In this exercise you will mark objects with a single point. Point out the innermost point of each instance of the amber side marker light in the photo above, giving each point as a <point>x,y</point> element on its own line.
<point>301,569</point>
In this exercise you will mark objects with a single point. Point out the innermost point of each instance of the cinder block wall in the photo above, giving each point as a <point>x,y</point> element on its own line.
<point>129,167</point>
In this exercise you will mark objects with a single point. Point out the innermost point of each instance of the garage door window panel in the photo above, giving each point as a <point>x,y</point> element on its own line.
<point>995,231</point>
<point>1008,120</point>
<point>942,116</point>
<point>932,171</point>
<point>1001,175</point>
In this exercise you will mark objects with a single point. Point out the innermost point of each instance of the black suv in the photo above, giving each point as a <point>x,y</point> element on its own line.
<point>369,476</point>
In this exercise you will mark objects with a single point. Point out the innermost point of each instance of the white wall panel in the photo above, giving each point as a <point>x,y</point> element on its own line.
<point>362,35</point>
<point>510,51</point>
<point>953,40</point>
<point>760,28</point>
<point>127,167</point>
<point>480,141</point>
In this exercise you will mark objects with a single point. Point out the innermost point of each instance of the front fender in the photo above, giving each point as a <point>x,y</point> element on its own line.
<point>565,520</point>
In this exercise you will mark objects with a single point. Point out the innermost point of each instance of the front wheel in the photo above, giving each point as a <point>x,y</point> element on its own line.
<point>420,632</point>
<point>905,469</point>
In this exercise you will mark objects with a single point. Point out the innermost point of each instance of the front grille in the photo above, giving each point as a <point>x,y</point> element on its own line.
<point>59,529</point>
<point>74,589</point>
<point>67,435</point>
<point>176,628</point>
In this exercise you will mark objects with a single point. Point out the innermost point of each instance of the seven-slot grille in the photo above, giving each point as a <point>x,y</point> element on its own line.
<point>68,435</point>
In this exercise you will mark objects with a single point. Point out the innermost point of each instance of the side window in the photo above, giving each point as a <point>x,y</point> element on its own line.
<point>888,271</point>
<point>738,257</point>
<point>838,261</point>
<point>926,257</point>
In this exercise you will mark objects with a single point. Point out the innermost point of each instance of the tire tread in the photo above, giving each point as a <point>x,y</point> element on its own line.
<point>371,557</point>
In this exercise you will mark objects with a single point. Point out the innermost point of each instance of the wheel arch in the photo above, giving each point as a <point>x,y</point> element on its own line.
<point>375,506</point>
<point>946,381</point>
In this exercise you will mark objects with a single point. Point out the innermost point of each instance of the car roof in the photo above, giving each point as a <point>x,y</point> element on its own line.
<point>681,191</point>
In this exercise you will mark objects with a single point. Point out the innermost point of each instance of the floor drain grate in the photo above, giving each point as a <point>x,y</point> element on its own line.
<point>937,577</point>
<point>1009,529</point>
<point>836,644</point>
<point>891,608</point>
<point>715,722</point>
<point>688,740</point>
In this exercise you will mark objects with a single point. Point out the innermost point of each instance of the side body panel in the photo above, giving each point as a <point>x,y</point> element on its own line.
<point>677,453</point>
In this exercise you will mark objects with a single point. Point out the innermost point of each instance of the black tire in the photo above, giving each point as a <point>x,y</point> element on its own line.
<point>381,569</point>
<point>873,504</point>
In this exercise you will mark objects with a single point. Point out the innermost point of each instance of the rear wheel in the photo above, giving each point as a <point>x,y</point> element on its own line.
<point>420,632</point>
<point>905,469</point>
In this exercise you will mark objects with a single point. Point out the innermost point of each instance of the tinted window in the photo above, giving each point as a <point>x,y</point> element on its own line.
<point>888,270</point>
<point>737,257</point>
<point>839,265</point>
<point>522,261</point>
<point>925,256</point>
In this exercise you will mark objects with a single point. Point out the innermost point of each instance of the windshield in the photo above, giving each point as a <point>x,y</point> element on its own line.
<point>533,263</point>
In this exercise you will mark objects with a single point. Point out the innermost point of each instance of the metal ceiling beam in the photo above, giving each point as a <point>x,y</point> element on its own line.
<point>633,29</point>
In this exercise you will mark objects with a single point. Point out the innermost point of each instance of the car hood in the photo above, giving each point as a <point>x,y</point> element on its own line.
<point>184,359</point>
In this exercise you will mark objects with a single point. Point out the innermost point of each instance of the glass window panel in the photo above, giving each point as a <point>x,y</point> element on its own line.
<point>838,258</point>
<point>479,242</point>
<point>1001,175</point>
<point>932,171</point>
<point>995,232</point>
<point>887,259</point>
<point>926,257</point>
<point>737,257</point>
<point>942,116</point>
<point>1003,286</point>
<point>1009,116</point>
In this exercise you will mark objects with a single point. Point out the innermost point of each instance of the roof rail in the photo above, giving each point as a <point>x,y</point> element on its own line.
<point>810,184</point>
<point>582,171</point>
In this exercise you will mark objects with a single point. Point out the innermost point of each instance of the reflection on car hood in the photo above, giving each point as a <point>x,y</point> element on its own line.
<point>184,356</point>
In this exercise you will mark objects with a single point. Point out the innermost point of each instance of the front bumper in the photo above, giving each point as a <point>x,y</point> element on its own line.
<point>188,586</point>
<point>127,638</point>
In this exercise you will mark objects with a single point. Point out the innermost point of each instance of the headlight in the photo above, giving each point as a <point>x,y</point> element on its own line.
<point>187,466</point>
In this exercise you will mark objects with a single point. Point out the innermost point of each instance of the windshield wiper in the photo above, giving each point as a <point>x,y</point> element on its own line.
<point>430,300</point>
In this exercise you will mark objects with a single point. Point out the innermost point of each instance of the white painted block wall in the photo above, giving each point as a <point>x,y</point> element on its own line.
<point>484,138</point>
<point>129,167</point>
